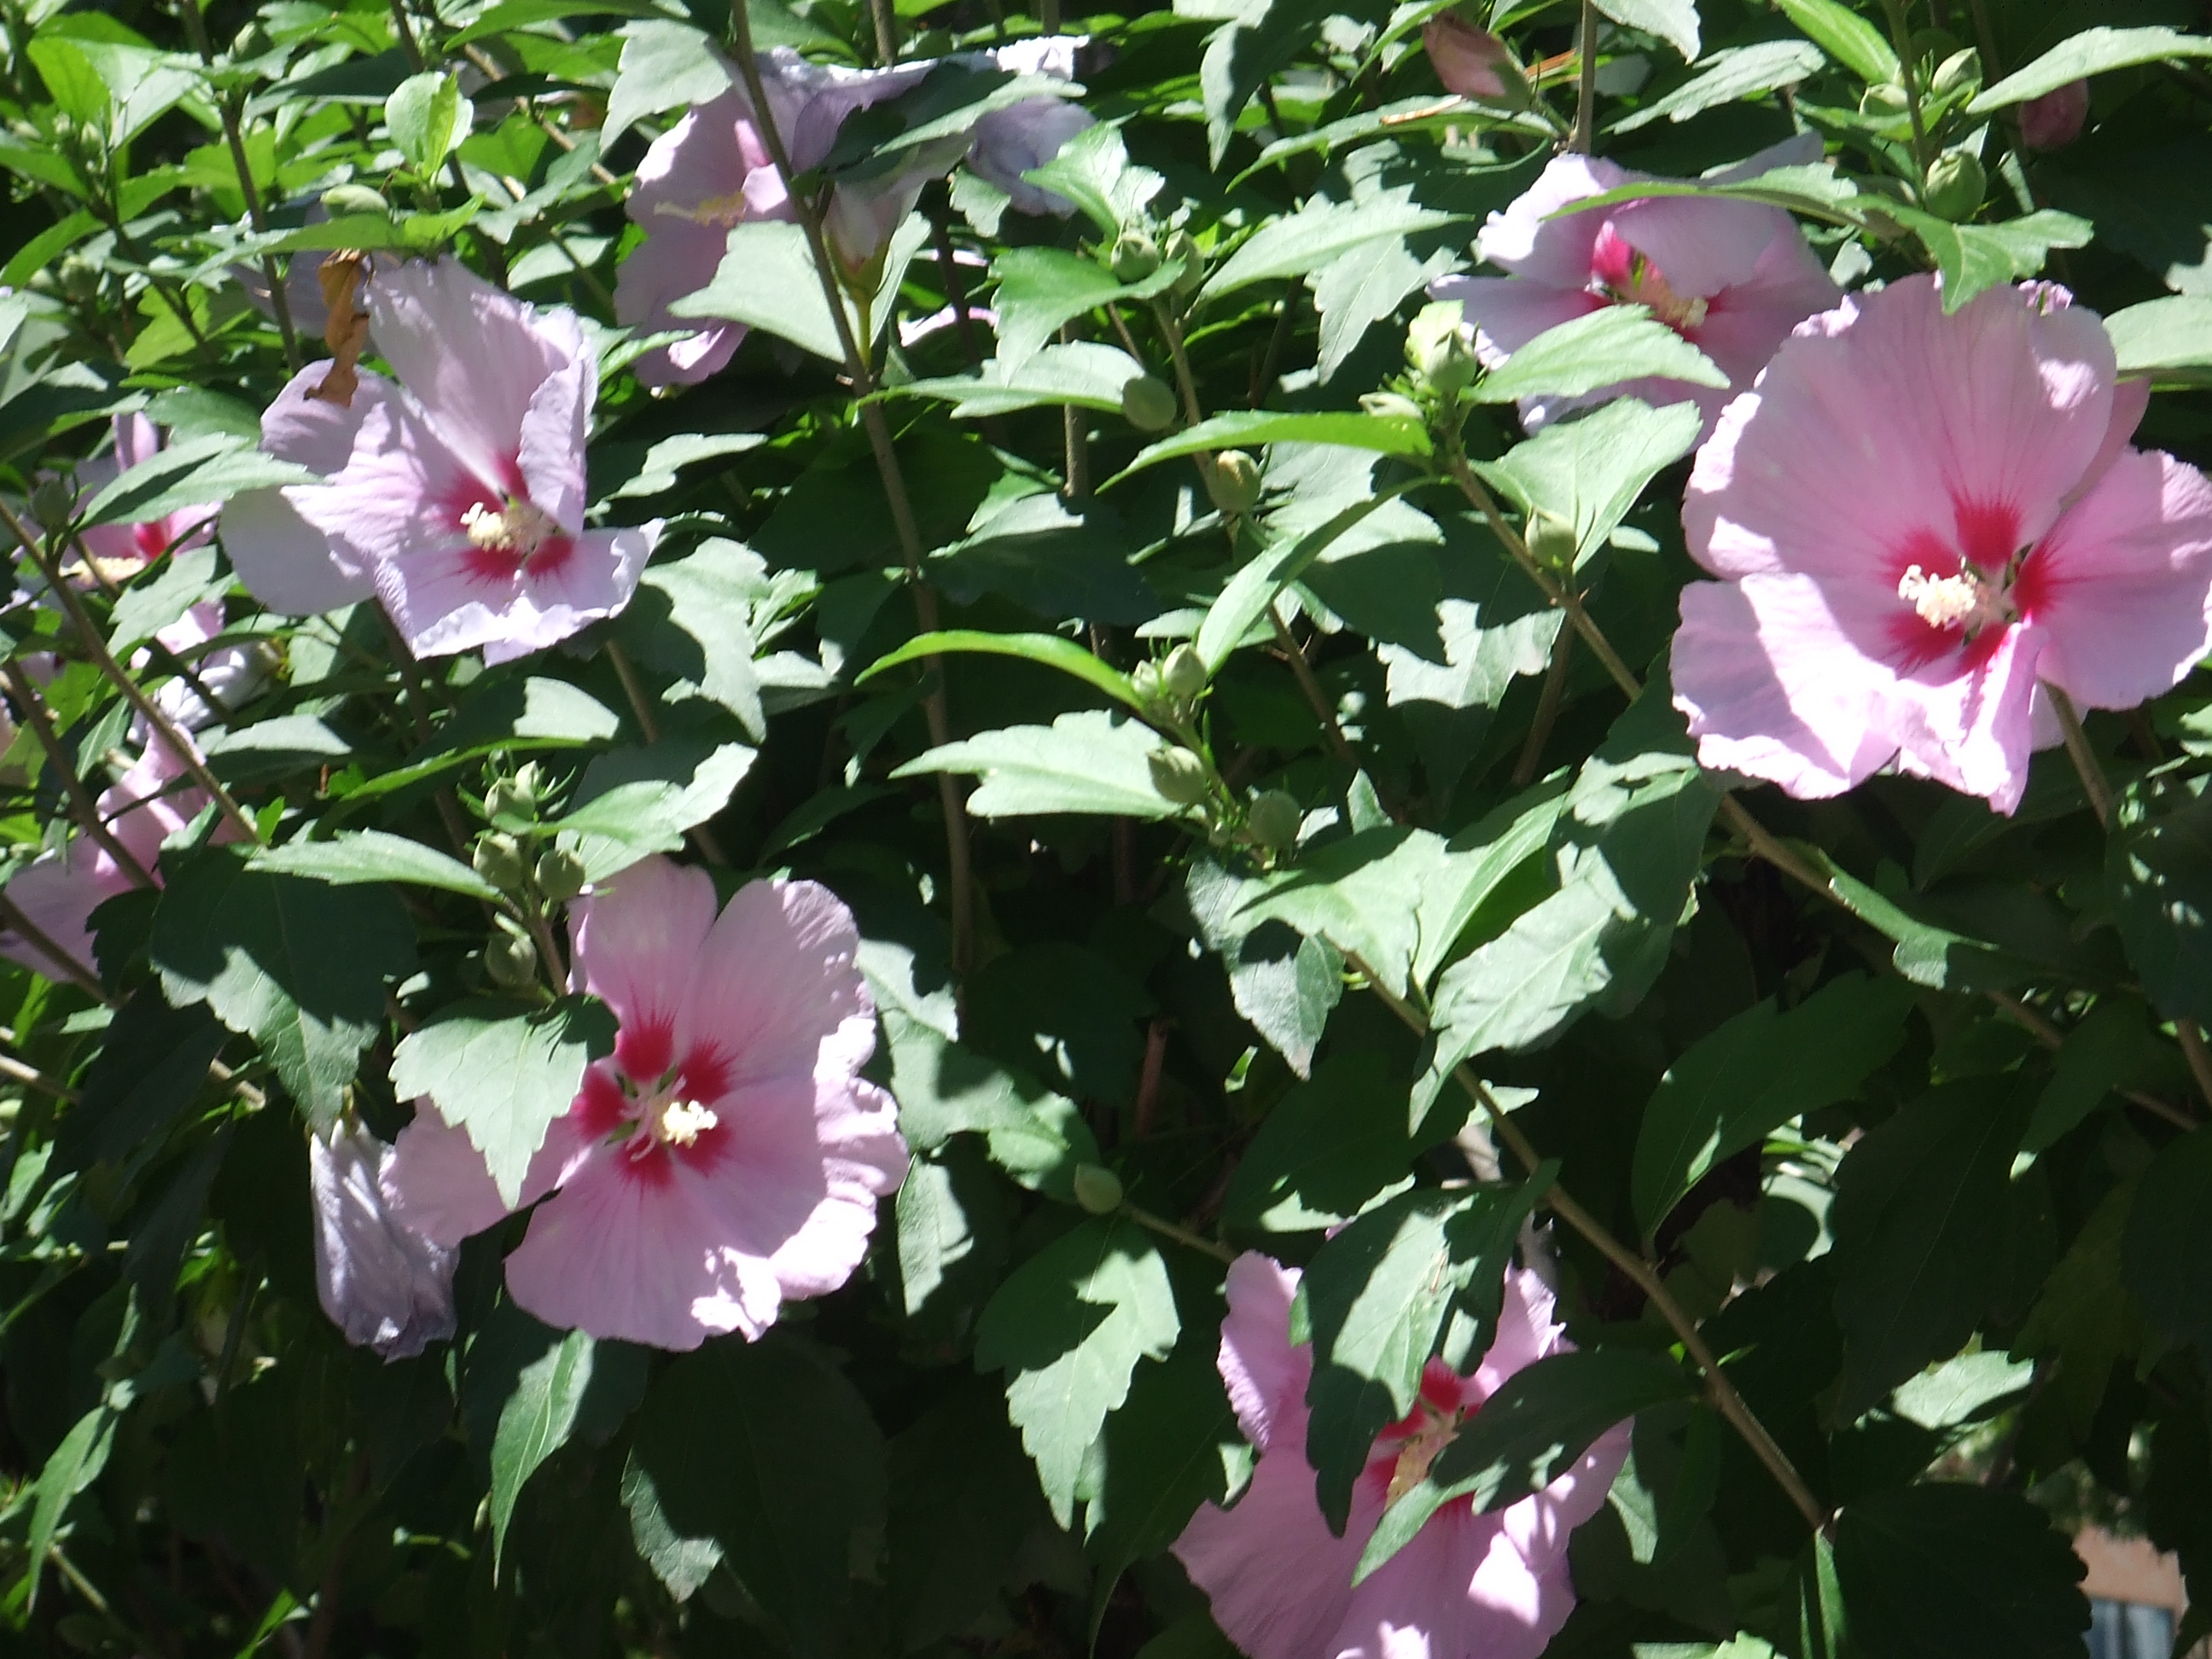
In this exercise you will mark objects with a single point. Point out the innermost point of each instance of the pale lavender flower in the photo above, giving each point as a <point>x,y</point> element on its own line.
<point>382,1283</point>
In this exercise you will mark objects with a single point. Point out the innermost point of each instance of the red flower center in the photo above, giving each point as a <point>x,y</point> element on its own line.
<point>1620,273</point>
<point>1960,592</point>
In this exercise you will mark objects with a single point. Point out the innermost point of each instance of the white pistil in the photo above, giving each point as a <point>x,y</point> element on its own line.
<point>681,1122</point>
<point>1957,601</point>
<point>521,527</point>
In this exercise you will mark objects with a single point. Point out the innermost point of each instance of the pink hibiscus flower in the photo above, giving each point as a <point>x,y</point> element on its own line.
<point>58,891</point>
<point>1731,277</point>
<point>1917,517</point>
<point>124,550</point>
<point>382,1283</point>
<point>727,1156</point>
<point>1468,1586</point>
<point>458,495</point>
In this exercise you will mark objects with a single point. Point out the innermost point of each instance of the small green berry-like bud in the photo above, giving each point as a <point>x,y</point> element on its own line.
<point>510,798</point>
<point>53,503</point>
<point>1184,673</point>
<point>1097,1188</point>
<point>1184,247</point>
<point>1955,185</point>
<point>1961,72</point>
<point>1148,404</point>
<point>1551,540</point>
<point>498,859</point>
<point>1145,681</point>
<point>1437,348</point>
<point>510,960</point>
<point>560,874</point>
<point>1390,403</point>
<point>1180,775</point>
<point>1135,256</point>
<point>1885,101</point>
<point>1274,818</point>
<point>1233,481</point>
<point>341,200</point>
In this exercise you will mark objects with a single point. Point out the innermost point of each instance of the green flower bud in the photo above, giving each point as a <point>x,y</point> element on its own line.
<point>510,960</point>
<point>1134,257</point>
<point>1148,404</point>
<point>512,798</point>
<point>1274,818</point>
<point>1955,185</point>
<point>1552,541</point>
<point>1885,101</point>
<point>79,280</point>
<point>1097,1188</point>
<point>560,874</point>
<point>53,502</point>
<point>1184,247</point>
<point>1390,403</point>
<point>1145,681</point>
<point>1180,775</point>
<point>1184,673</point>
<point>340,200</point>
<point>498,859</point>
<point>1232,480</point>
<point>1437,348</point>
<point>1961,72</point>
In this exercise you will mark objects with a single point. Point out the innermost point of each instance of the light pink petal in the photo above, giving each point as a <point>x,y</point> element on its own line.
<point>136,439</point>
<point>1973,733</point>
<point>772,988</point>
<point>1702,245</point>
<point>2121,588</point>
<point>285,562</point>
<point>1798,150</point>
<point>384,1284</point>
<point>1525,1332</point>
<point>472,356</point>
<point>1746,324</point>
<point>637,939</point>
<point>57,892</point>
<point>401,490</point>
<point>1508,312</point>
<point>1278,1581</point>
<point>552,453</point>
<point>438,1182</point>
<point>447,598</point>
<point>1527,240</point>
<point>1265,1376</point>
<point>641,1260</point>
<point>2130,403</point>
<point>1461,1590</point>
<point>863,1158</point>
<point>1538,1526</point>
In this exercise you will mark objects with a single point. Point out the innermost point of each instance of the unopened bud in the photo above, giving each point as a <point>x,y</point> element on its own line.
<point>1180,775</point>
<point>1135,256</point>
<point>80,279</point>
<point>498,859</point>
<point>1148,403</point>
<point>1274,818</point>
<point>1955,185</point>
<point>1473,62</point>
<point>341,200</point>
<point>2055,119</point>
<point>1884,101</point>
<point>1232,481</point>
<point>510,960</point>
<point>1437,348</point>
<point>1184,247</point>
<point>1097,1188</point>
<point>1184,673</point>
<point>53,502</point>
<point>508,798</point>
<point>1551,540</point>
<point>561,874</point>
<point>1393,404</point>
<point>1145,681</point>
<point>1961,72</point>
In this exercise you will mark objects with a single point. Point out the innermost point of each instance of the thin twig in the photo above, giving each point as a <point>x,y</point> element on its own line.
<point>886,31</point>
<point>1180,1234</point>
<point>1586,85</point>
<point>44,943</point>
<point>2191,1035</point>
<point>1302,671</point>
<point>33,708</point>
<point>2039,1025</point>
<point>1148,1079</point>
<point>2094,782</point>
<point>1548,709</point>
<point>32,1076</point>
<point>1901,32</point>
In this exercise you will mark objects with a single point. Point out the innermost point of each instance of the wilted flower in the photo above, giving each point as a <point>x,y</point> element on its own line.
<point>727,1155</point>
<point>459,492</point>
<point>1467,1586</point>
<point>1472,61</point>
<point>383,1284</point>
<point>1917,517</point>
<point>2055,119</point>
<point>1732,278</point>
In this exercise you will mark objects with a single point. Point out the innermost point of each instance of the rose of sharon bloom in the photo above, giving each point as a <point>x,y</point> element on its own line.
<point>1468,1586</point>
<point>1731,277</point>
<point>383,1284</point>
<point>230,673</point>
<point>457,494</point>
<point>2055,119</point>
<point>123,549</point>
<point>1916,517</point>
<point>727,1156</point>
<point>58,891</point>
<point>1470,61</point>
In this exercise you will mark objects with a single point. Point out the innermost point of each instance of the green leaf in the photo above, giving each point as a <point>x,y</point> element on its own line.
<point>1068,1327</point>
<point>1250,594</point>
<point>637,802</point>
<point>261,950</point>
<point>2112,1048</point>
<point>766,280</point>
<point>962,1500</point>
<point>1172,1446</point>
<point>1612,344</point>
<point>1048,649</point>
<point>1092,170</point>
<point>160,597</point>
<point>1590,471</point>
<point>1259,39</point>
<point>1946,1571</point>
<point>1960,1390</point>
<point>2164,1261</point>
<point>2158,876</point>
<point>1363,894</point>
<point>1329,1147</point>
<point>1283,983</point>
<point>2086,1317</point>
<point>1388,435</point>
<point>665,65</point>
<point>73,1466</point>
<point>153,1063</point>
<point>1920,1225</point>
<point>760,1456</point>
<point>1041,288</point>
<point>2093,51</point>
<point>1728,76</point>
<point>1737,1085</point>
<point>1083,373</point>
<point>355,856</point>
<point>1972,258</point>
<point>428,117</point>
<point>1674,21</point>
<point>1858,45</point>
<point>1319,233</point>
<point>1926,952</point>
<point>1089,762</point>
<point>1378,1294</point>
<point>535,1423</point>
<point>656,470</point>
<point>944,1089</point>
<point>2169,340</point>
<point>503,1077</point>
<point>708,641</point>
<point>203,472</point>
<point>1477,863</point>
<point>1535,1429</point>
